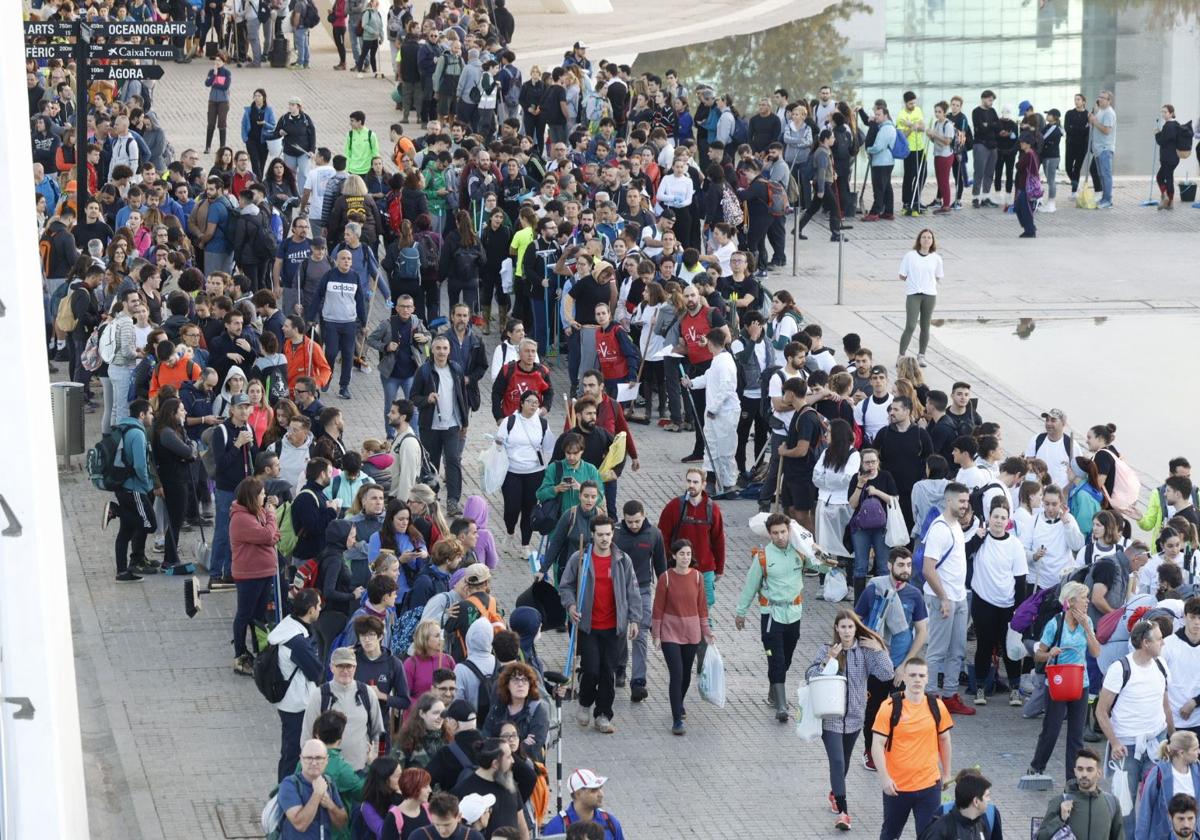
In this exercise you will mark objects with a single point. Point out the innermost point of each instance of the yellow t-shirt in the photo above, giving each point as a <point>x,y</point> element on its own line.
<point>905,120</point>
<point>912,762</point>
<point>520,242</point>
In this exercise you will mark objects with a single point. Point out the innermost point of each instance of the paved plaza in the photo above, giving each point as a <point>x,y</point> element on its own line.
<point>177,746</point>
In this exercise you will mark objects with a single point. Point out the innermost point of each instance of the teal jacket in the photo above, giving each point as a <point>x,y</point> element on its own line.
<point>135,455</point>
<point>782,586</point>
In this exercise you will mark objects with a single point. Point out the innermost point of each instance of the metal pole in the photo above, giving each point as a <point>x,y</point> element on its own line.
<point>841,239</point>
<point>82,74</point>
<point>1150,200</point>
<point>795,238</point>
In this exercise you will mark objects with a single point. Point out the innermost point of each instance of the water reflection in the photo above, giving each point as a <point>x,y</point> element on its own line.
<point>1043,51</point>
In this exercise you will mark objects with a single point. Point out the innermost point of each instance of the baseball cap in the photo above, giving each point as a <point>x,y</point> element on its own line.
<point>478,573</point>
<point>878,369</point>
<point>295,100</point>
<point>1054,112</point>
<point>584,779</point>
<point>460,710</point>
<point>1056,413</point>
<point>1024,106</point>
<point>579,45</point>
<point>343,655</point>
<point>239,399</point>
<point>472,806</point>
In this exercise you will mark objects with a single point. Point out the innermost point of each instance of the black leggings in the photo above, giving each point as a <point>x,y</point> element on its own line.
<point>368,52</point>
<point>1075,155</point>
<point>519,501</point>
<point>1005,161</point>
<point>1166,178</point>
<point>751,418</point>
<point>654,386</point>
<point>991,626</point>
<point>680,659</point>
<point>839,747</point>
<point>339,41</point>
<point>175,501</point>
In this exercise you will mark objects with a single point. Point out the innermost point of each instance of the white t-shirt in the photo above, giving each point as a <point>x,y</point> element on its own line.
<point>1138,711</point>
<point>997,563</point>
<point>973,476</point>
<point>1054,453</point>
<point>723,254</point>
<point>315,182</point>
<point>940,536</point>
<point>921,273</point>
<point>783,419</point>
<point>872,415</point>
<point>1183,782</point>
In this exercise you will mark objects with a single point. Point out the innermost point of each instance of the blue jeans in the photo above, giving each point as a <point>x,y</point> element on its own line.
<point>290,725</point>
<point>922,804</point>
<point>448,442</point>
<point>300,164</point>
<point>340,338</point>
<point>610,499</point>
<point>392,387</point>
<point>300,40</point>
<point>222,556</point>
<point>864,541</point>
<point>119,377</point>
<point>1104,167</point>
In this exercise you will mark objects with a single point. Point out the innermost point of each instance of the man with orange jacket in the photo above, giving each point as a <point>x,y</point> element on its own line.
<point>304,356</point>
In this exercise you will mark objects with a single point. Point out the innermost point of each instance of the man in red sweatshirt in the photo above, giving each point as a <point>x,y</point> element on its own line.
<point>695,517</point>
<point>610,417</point>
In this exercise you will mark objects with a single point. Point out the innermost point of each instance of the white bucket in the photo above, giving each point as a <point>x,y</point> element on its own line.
<point>828,696</point>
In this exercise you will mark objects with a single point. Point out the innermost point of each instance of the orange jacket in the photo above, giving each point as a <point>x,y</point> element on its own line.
<point>298,362</point>
<point>173,374</point>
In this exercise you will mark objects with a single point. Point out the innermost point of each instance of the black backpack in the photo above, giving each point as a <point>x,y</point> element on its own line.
<point>898,709</point>
<point>362,696</point>
<point>512,421</point>
<point>1067,444</point>
<point>486,697</point>
<point>468,765</point>
<point>310,18</point>
<point>977,499</point>
<point>764,387</point>
<point>268,677</point>
<point>430,253</point>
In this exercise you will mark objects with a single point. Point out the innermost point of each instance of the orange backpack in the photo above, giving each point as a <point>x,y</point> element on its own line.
<point>760,554</point>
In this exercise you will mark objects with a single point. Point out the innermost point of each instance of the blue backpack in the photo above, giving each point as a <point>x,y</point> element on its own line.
<point>918,574</point>
<point>900,146</point>
<point>741,131</point>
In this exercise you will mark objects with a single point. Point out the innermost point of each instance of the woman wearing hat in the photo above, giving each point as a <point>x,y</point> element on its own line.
<point>1027,170</point>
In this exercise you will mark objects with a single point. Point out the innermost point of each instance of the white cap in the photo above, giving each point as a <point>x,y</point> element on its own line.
<point>584,779</point>
<point>473,806</point>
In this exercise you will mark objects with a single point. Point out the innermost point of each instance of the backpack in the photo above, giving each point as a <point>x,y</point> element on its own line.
<point>1183,140</point>
<point>977,499</point>
<point>468,765</point>
<point>610,828</point>
<point>106,461</point>
<point>1033,185</point>
<point>777,202</point>
<point>208,455</point>
<point>362,697</point>
<point>1126,484</point>
<point>683,505</point>
<point>1067,444</point>
<point>268,677</point>
<point>486,697</point>
<point>429,253</point>
<point>760,554</point>
<point>287,528</point>
<point>731,207</point>
<point>310,18</point>
<point>512,421</point>
<point>898,709</point>
<point>398,816</point>
<point>823,424</point>
<point>407,265</point>
<point>741,131</point>
<point>90,359</point>
<point>65,318</point>
<point>764,386</point>
<point>395,211</point>
<point>107,343</point>
<point>264,246</point>
<point>1127,672</point>
<point>272,813</point>
<point>900,146</point>
<point>466,262</point>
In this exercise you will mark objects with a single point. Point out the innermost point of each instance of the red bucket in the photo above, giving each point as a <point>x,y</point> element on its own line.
<point>1065,682</point>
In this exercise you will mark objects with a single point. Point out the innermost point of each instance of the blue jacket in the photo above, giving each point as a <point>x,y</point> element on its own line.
<point>559,822</point>
<point>234,463</point>
<point>135,451</point>
<point>881,150</point>
<point>268,123</point>
<point>339,288</point>
<point>1152,819</point>
<point>197,403</point>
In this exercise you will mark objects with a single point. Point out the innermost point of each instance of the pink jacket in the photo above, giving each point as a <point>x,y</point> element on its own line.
<point>418,672</point>
<point>253,540</point>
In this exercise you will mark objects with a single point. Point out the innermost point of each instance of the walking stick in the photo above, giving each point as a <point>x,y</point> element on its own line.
<point>703,437</point>
<point>585,568</point>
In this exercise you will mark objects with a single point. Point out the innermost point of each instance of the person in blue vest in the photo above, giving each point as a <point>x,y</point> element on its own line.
<point>134,506</point>
<point>587,795</point>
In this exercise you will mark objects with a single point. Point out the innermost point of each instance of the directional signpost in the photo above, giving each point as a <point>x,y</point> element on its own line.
<point>77,40</point>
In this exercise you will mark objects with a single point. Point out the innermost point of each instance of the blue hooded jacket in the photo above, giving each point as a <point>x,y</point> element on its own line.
<point>134,454</point>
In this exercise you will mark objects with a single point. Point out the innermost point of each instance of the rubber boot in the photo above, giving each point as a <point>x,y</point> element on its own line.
<point>1091,729</point>
<point>779,695</point>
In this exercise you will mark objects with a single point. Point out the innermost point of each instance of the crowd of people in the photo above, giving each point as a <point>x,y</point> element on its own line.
<point>623,226</point>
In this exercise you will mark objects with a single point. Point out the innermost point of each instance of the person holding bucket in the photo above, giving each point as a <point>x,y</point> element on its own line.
<point>1066,641</point>
<point>858,652</point>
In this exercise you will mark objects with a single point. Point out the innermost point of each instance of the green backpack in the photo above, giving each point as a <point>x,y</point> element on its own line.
<point>287,529</point>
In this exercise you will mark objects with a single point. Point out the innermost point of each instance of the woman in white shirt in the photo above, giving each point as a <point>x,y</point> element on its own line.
<point>1029,498</point>
<point>526,438</point>
<point>921,269</point>
<point>509,348</point>
<point>997,579</point>
<point>1170,544</point>
<point>836,468</point>
<point>676,191</point>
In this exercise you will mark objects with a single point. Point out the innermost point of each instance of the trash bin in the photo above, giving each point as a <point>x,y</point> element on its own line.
<point>66,406</point>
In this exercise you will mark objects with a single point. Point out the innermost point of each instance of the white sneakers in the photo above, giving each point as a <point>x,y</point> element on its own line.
<point>1047,206</point>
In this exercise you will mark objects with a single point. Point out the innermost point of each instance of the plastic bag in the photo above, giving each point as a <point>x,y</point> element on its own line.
<point>495,467</point>
<point>897,529</point>
<point>808,725</point>
<point>712,678</point>
<point>1120,786</point>
<point>1014,645</point>
<point>835,586</point>
<point>758,524</point>
<point>506,276</point>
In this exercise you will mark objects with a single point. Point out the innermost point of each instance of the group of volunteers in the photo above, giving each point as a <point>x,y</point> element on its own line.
<point>625,230</point>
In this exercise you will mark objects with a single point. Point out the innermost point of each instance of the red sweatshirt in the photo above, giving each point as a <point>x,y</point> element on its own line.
<point>705,530</point>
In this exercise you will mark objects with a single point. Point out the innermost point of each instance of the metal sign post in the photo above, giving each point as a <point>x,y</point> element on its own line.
<point>82,39</point>
<point>841,239</point>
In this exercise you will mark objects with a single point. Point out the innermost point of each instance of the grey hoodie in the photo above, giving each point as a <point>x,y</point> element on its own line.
<point>479,652</point>
<point>293,460</point>
<point>472,72</point>
<point>221,403</point>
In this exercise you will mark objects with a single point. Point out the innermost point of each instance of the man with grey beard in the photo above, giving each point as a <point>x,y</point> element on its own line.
<point>494,775</point>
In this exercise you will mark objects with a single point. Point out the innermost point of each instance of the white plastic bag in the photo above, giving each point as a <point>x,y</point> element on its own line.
<point>758,524</point>
<point>897,529</point>
<point>1120,786</point>
<point>1014,645</point>
<point>808,725</point>
<point>835,586</point>
<point>506,276</point>
<point>495,467</point>
<point>712,678</point>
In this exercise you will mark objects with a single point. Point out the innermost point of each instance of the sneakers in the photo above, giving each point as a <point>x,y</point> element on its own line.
<point>975,203</point>
<point>888,217</point>
<point>987,202</point>
<point>107,514</point>
<point>921,359</point>
<point>604,725</point>
<point>1104,205</point>
<point>128,577</point>
<point>1014,698</point>
<point>583,716</point>
<point>621,682</point>
<point>980,697</point>
<point>142,566</point>
<point>344,393</point>
<point>638,693</point>
<point>842,823</point>
<point>868,761</point>
<point>833,808</point>
<point>678,728</point>
<point>956,205</point>
<point>158,547</point>
<point>871,217</point>
<point>955,705</point>
<point>244,665</point>
<point>1048,206</point>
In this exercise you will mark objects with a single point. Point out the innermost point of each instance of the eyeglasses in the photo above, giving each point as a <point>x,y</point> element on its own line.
<point>521,678</point>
